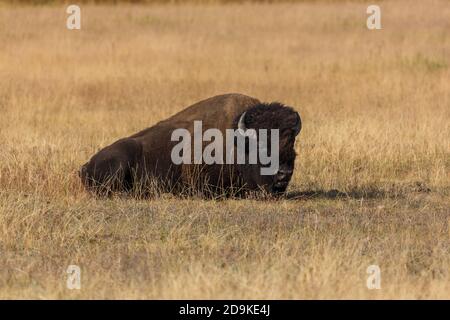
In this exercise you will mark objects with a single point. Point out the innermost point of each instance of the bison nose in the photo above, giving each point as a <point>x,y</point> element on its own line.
<point>283,174</point>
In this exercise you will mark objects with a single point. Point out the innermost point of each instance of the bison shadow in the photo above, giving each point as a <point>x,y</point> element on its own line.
<point>335,194</point>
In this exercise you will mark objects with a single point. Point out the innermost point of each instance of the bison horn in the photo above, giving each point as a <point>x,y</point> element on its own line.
<point>251,133</point>
<point>241,123</point>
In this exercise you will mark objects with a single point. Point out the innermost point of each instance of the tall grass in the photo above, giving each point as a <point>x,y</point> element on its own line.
<point>371,184</point>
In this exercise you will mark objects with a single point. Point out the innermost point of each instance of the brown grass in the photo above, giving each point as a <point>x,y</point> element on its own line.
<point>375,107</point>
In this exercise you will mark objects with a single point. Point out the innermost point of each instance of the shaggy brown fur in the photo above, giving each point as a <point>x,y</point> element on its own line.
<point>145,157</point>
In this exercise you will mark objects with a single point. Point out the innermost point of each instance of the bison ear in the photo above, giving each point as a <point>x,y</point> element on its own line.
<point>298,124</point>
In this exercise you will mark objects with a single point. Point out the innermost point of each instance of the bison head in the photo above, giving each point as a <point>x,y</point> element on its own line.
<point>288,123</point>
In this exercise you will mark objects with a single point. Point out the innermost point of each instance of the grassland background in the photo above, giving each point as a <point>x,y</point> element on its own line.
<point>375,107</point>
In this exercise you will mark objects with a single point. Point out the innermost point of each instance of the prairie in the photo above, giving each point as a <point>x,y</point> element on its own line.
<point>371,184</point>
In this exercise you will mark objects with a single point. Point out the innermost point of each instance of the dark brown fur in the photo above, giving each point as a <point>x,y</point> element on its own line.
<point>145,157</point>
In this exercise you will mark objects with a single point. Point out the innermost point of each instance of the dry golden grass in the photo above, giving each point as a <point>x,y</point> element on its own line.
<point>376,113</point>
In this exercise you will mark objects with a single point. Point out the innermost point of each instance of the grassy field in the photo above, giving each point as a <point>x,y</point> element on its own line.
<point>371,186</point>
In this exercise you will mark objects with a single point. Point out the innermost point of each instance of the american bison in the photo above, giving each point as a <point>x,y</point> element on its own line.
<point>146,158</point>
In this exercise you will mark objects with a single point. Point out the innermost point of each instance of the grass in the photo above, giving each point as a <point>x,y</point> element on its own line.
<point>371,184</point>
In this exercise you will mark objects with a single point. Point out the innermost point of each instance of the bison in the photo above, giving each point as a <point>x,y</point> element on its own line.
<point>145,159</point>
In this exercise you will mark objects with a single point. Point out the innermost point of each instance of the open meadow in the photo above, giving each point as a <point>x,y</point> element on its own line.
<point>372,179</point>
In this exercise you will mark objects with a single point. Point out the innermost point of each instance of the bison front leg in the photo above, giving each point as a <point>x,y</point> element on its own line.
<point>112,169</point>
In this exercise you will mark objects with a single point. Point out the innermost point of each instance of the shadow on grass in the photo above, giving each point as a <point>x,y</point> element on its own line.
<point>399,191</point>
<point>336,194</point>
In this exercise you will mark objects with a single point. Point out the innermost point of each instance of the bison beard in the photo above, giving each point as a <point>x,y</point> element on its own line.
<point>143,161</point>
